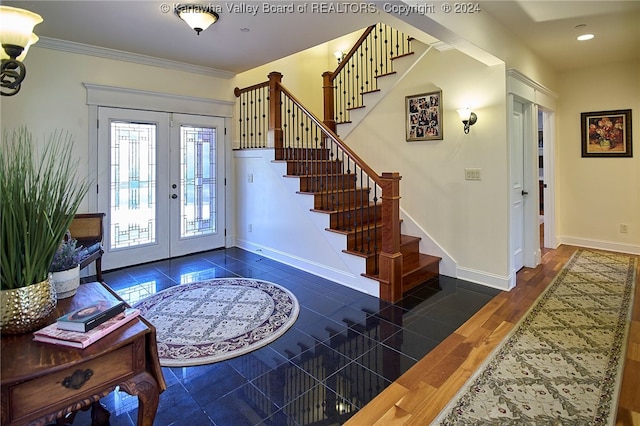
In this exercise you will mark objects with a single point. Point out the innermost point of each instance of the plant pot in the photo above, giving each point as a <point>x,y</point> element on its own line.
<point>66,282</point>
<point>27,308</point>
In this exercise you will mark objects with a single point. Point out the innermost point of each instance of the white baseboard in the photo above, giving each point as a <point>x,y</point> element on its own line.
<point>359,282</point>
<point>601,245</point>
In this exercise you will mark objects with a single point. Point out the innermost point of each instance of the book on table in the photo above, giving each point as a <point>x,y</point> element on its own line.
<point>78,339</point>
<point>91,316</point>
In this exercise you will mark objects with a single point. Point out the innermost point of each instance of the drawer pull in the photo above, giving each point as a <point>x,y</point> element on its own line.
<point>77,379</point>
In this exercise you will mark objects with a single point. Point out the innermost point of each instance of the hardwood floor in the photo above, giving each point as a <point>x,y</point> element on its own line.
<point>421,393</point>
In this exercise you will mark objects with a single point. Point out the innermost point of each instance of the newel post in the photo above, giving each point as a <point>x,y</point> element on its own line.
<point>275,111</point>
<point>390,256</point>
<point>328,97</point>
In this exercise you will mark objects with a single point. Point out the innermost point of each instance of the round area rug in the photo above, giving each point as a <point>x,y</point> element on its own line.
<point>209,321</point>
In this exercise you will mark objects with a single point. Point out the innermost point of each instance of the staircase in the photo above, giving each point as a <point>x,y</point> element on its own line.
<point>359,204</point>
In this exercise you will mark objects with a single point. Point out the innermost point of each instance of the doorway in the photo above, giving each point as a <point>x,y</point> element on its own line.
<point>161,183</point>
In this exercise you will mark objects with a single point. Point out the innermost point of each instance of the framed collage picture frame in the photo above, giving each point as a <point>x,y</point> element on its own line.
<point>606,133</point>
<point>424,116</point>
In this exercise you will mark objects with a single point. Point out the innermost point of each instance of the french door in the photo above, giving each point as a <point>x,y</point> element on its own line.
<point>161,183</point>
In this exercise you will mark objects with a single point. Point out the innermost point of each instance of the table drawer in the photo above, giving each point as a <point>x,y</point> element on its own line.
<point>42,394</point>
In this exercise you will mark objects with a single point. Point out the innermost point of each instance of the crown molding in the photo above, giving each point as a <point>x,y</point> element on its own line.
<point>517,75</point>
<point>119,55</point>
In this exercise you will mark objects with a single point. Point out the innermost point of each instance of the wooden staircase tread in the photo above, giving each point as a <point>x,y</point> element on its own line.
<point>402,56</point>
<point>355,107</point>
<point>334,191</point>
<point>423,260</point>
<point>370,91</point>
<point>346,208</point>
<point>385,74</point>
<point>357,229</point>
<point>312,176</point>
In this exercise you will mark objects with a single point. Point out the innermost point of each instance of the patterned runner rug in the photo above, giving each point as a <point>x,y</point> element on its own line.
<point>210,321</point>
<point>562,364</point>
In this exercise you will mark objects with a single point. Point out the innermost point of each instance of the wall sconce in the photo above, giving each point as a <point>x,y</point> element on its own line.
<point>468,118</point>
<point>199,17</point>
<point>16,35</point>
<point>339,55</point>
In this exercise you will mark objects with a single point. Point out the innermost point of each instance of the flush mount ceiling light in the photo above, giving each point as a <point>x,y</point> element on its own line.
<point>585,36</point>
<point>16,35</point>
<point>198,16</point>
<point>468,118</point>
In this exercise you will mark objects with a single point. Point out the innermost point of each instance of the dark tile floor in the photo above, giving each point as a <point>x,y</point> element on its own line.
<point>343,350</point>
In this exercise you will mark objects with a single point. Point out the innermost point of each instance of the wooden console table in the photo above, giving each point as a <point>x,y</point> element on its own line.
<point>40,380</point>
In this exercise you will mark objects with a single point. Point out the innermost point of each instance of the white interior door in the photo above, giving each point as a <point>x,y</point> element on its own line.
<point>517,139</point>
<point>142,155</point>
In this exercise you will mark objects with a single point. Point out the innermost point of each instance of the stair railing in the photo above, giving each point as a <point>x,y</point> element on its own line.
<point>357,73</point>
<point>321,157</point>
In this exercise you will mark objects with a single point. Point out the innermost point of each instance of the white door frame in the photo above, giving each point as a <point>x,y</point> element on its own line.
<point>534,96</point>
<point>119,97</point>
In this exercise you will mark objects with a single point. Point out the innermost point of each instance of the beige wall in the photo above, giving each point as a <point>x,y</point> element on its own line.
<point>468,219</point>
<point>595,195</point>
<point>53,97</point>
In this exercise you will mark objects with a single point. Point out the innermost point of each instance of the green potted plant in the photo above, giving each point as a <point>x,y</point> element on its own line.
<point>40,193</point>
<point>65,267</point>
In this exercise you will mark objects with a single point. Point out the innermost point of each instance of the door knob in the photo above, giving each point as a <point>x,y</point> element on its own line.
<point>174,196</point>
<point>524,192</point>
<point>174,186</point>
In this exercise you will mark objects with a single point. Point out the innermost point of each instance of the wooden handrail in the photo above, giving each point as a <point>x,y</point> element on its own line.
<point>353,50</point>
<point>359,162</point>
<point>237,91</point>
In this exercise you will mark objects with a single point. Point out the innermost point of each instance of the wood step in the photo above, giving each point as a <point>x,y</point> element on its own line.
<point>423,268</point>
<point>339,199</point>
<point>351,217</point>
<point>319,183</point>
<point>316,167</point>
<point>409,246</point>
<point>302,154</point>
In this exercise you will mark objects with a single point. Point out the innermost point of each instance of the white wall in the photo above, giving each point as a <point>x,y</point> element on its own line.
<point>595,195</point>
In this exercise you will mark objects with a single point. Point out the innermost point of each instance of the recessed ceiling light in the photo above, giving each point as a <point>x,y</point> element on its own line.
<point>584,37</point>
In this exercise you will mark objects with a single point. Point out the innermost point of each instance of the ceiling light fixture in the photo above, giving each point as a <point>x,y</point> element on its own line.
<point>198,16</point>
<point>585,36</point>
<point>16,35</point>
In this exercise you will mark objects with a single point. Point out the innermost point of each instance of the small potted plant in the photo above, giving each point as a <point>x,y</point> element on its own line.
<point>65,267</point>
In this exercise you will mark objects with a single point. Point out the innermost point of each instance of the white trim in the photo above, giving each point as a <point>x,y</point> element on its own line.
<point>500,282</point>
<point>518,77</point>
<point>136,58</point>
<point>121,97</point>
<point>601,245</point>
<point>360,283</point>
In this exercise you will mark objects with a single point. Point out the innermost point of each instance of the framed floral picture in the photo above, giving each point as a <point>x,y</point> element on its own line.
<point>424,116</point>
<point>606,133</point>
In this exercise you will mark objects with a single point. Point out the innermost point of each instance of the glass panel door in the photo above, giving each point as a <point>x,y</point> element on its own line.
<point>197,174</point>
<point>132,184</point>
<point>161,183</point>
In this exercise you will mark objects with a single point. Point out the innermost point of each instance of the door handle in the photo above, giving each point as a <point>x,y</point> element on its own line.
<point>174,196</point>
<point>524,192</point>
